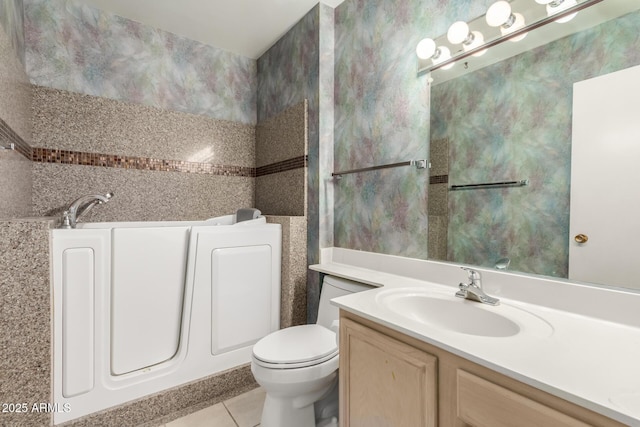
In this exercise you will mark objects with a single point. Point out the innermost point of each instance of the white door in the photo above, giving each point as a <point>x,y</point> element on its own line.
<point>605,180</point>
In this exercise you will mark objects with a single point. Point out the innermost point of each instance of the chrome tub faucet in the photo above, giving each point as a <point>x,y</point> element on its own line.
<point>473,290</point>
<point>81,206</point>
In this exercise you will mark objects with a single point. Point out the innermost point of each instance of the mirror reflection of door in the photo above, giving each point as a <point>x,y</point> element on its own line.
<point>605,180</point>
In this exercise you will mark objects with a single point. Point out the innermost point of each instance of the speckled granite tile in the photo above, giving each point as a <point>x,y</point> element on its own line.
<point>15,90</point>
<point>298,269</point>
<point>438,199</point>
<point>25,342</point>
<point>15,185</point>
<point>174,403</point>
<point>139,195</point>
<point>25,386</point>
<point>293,291</point>
<point>437,237</point>
<point>439,157</point>
<point>71,121</point>
<point>282,193</point>
<point>282,137</point>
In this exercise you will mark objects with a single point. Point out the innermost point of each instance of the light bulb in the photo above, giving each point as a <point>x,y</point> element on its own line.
<point>458,32</point>
<point>543,1</point>
<point>518,23</point>
<point>498,13</point>
<point>476,40</point>
<point>556,6</point>
<point>426,49</point>
<point>443,54</point>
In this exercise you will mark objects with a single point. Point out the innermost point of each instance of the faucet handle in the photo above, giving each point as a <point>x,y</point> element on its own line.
<point>66,222</point>
<point>473,274</point>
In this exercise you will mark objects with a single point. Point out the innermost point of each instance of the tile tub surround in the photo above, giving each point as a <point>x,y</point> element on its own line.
<point>293,297</point>
<point>161,165</point>
<point>72,131</point>
<point>283,136</point>
<point>65,120</point>
<point>139,195</point>
<point>283,139</point>
<point>15,185</point>
<point>25,341</point>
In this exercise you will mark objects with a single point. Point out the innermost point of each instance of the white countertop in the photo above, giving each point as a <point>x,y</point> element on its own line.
<point>578,355</point>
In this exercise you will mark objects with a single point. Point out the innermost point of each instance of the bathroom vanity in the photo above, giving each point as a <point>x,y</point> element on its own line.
<point>388,375</point>
<point>552,353</point>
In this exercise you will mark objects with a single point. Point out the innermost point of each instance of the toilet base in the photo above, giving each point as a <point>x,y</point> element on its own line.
<point>301,411</point>
<point>279,412</point>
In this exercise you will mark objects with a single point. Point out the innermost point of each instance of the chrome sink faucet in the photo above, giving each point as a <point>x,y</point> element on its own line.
<point>473,289</point>
<point>81,206</point>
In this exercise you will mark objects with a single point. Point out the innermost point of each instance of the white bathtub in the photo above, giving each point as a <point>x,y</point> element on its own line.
<point>140,307</point>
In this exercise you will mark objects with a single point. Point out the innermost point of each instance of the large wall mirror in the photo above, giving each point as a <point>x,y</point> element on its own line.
<point>513,121</point>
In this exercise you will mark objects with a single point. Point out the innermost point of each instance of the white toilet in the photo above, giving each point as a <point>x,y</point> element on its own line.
<point>298,366</point>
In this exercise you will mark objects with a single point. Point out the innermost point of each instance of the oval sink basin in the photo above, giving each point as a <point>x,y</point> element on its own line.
<point>462,316</point>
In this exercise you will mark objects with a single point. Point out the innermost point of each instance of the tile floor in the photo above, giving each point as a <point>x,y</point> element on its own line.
<point>241,411</point>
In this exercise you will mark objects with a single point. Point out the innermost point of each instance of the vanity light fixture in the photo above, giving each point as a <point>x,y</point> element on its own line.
<point>500,15</point>
<point>427,49</point>
<point>463,40</point>
<point>556,6</point>
<point>459,33</point>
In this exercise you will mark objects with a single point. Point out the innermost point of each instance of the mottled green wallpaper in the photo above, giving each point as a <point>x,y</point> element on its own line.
<point>78,48</point>
<point>382,116</point>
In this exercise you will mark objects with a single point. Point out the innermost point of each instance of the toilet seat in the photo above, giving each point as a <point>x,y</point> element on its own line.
<point>296,347</point>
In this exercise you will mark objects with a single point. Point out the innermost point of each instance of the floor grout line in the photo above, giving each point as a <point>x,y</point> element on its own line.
<point>230,414</point>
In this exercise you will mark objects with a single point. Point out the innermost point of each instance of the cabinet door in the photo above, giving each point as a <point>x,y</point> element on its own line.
<point>384,382</point>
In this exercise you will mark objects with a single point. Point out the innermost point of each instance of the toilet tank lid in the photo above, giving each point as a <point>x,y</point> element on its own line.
<point>346,284</point>
<point>296,344</point>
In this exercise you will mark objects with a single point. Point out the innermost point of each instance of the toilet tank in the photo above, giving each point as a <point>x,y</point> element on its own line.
<point>333,287</point>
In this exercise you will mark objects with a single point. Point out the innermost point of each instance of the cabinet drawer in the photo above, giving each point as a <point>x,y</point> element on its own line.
<point>481,403</point>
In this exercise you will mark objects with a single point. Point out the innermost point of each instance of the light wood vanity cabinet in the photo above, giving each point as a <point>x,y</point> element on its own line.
<point>385,381</point>
<point>388,379</point>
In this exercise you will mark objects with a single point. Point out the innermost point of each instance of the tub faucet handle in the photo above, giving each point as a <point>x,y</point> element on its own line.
<point>81,206</point>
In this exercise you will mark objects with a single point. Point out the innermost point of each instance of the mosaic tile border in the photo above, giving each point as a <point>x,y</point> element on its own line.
<point>47,155</point>
<point>8,137</point>
<point>68,157</point>
<point>439,179</point>
<point>284,165</point>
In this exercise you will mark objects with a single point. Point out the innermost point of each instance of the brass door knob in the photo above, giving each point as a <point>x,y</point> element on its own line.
<point>581,238</point>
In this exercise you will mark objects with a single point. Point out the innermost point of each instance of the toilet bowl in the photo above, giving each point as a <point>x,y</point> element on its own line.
<point>298,366</point>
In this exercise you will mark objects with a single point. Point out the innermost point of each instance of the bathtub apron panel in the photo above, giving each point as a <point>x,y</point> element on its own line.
<point>141,307</point>
<point>237,266</point>
<point>147,289</point>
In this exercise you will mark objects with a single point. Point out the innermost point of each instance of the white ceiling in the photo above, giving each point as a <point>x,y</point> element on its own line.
<point>245,27</point>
